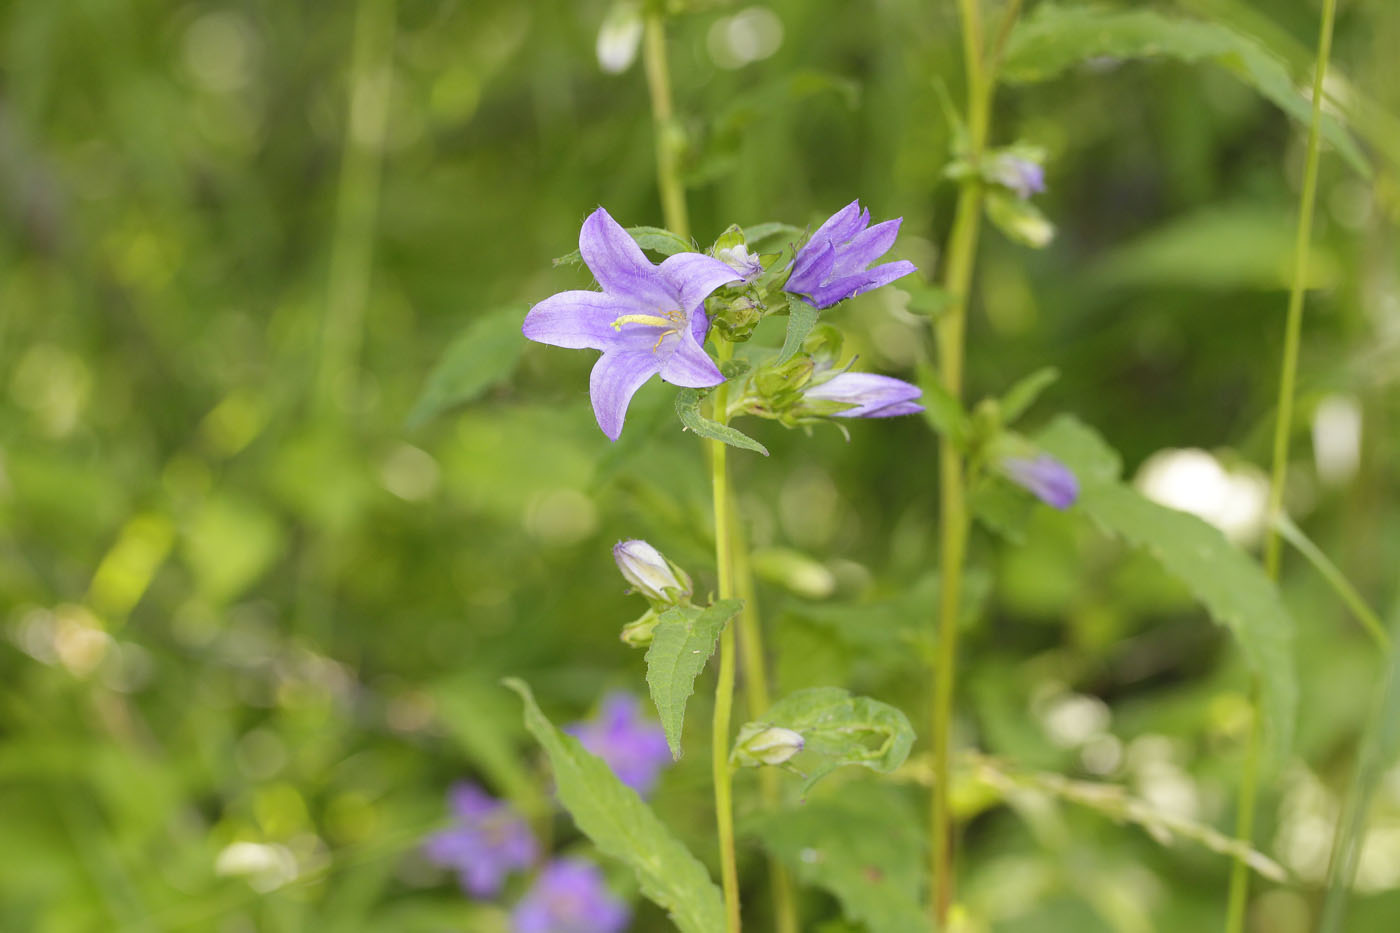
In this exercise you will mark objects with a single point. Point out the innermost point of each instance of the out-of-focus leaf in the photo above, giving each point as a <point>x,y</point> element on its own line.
<point>612,815</point>
<point>681,644</point>
<point>943,413</point>
<point>781,234</point>
<point>656,239</point>
<point>1231,585</point>
<point>1055,38</point>
<point>1230,247</point>
<point>1002,507</point>
<point>839,729</point>
<point>1020,220</point>
<point>688,408</point>
<point>863,847</point>
<point>229,544</point>
<point>802,317</point>
<point>1023,393</point>
<point>473,714</point>
<point>479,358</point>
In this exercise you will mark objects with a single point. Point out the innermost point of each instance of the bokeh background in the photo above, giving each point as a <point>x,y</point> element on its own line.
<point>247,597</point>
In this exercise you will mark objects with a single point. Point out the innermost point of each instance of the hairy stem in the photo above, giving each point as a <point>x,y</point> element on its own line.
<point>1244,825</point>
<point>953,516</point>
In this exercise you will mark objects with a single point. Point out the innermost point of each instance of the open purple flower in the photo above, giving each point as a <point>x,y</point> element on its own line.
<point>570,896</point>
<point>487,843</point>
<point>632,745</point>
<point>832,265</point>
<point>872,395</point>
<point>1044,477</point>
<point>647,320</point>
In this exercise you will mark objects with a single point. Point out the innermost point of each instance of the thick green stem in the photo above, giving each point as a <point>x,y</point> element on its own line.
<point>724,683</point>
<point>1283,426</point>
<point>667,134</point>
<point>953,517</point>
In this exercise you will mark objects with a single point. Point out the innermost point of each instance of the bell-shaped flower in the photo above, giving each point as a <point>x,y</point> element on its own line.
<point>1044,477</point>
<point>650,573</point>
<point>869,394</point>
<point>834,263</point>
<point>488,841</point>
<point>570,896</point>
<point>648,320</point>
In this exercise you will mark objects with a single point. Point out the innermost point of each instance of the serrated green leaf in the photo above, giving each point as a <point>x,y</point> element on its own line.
<point>802,317</point>
<point>688,408</point>
<point>1055,38</point>
<point>655,239</point>
<point>865,848</point>
<point>681,644</point>
<point>1023,393</point>
<point>1231,585</point>
<point>480,357</point>
<point>612,815</point>
<point>839,729</point>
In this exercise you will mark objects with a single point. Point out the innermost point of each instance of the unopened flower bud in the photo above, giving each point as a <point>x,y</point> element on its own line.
<point>738,258</point>
<point>650,573</point>
<point>638,632</point>
<point>771,745</point>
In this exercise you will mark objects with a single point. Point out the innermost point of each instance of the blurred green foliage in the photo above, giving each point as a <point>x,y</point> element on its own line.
<point>244,601</point>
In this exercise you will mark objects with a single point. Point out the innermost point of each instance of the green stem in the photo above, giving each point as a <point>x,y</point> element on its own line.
<point>1339,583</point>
<point>724,683</point>
<point>667,134</point>
<point>1293,330</point>
<point>756,699</point>
<point>953,517</point>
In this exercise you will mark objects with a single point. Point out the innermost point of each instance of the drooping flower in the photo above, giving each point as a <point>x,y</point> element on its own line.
<point>1023,176</point>
<point>570,896</point>
<point>632,745</point>
<point>1044,477</point>
<point>488,841</point>
<point>832,265</point>
<point>873,396</point>
<point>650,573</point>
<point>647,320</point>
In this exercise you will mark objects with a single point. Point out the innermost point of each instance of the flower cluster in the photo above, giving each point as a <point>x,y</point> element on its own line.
<point>652,320</point>
<point>487,842</point>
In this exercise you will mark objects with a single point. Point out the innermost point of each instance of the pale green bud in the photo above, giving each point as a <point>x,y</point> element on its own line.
<point>766,745</point>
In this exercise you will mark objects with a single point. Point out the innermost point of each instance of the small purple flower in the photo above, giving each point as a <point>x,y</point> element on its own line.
<point>832,265</point>
<point>647,320</point>
<point>632,745</point>
<point>1022,176</point>
<point>488,842</point>
<point>570,896</point>
<point>1046,478</point>
<point>872,395</point>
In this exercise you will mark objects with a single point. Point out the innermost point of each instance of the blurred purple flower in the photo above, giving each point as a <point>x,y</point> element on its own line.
<point>831,266</point>
<point>1046,478</point>
<point>647,320</point>
<point>632,745</point>
<point>872,395</point>
<point>1022,176</point>
<point>488,841</point>
<point>570,896</point>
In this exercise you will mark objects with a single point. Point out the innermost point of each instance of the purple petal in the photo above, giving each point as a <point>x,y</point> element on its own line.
<point>886,273</point>
<point>692,276</point>
<point>578,319</point>
<point>842,225</point>
<point>616,377</point>
<point>829,294</point>
<point>871,394</point>
<point>689,365</point>
<point>618,264</point>
<point>699,325</point>
<point>810,267</point>
<point>866,247</point>
<point>470,802</point>
<point>1046,478</point>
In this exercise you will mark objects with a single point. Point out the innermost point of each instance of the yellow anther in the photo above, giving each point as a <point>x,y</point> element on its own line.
<point>651,320</point>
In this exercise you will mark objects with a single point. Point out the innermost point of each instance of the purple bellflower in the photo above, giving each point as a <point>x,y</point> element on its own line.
<point>873,396</point>
<point>1021,175</point>
<point>832,265</point>
<point>488,842</point>
<point>632,745</point>
<point>1044,477</point>
<point>570,896</point>
<point>647,320</point>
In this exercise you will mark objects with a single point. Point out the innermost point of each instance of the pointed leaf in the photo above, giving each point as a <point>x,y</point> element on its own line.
<point>1022,395</point>
<point>681,644</point>
<point>802,317</point>
<point>612,815</point>
<point>688,408</point>
<point>1229,583</point>
<point>480,357</point>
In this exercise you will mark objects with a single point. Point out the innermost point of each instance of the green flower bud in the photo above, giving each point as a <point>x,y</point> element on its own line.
<point>758,745</point>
